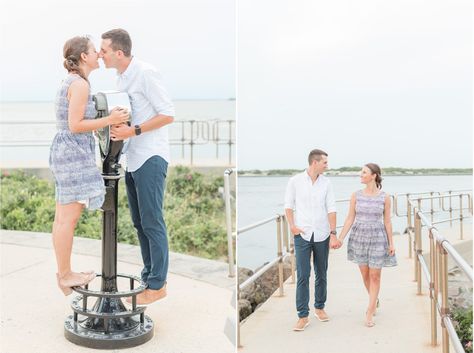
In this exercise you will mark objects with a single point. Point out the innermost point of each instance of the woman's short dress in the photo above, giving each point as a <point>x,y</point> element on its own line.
<point>72,156</point>
<point>368,242</point>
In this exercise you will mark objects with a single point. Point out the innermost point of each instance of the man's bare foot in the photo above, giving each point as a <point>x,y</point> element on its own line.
<point>301,324</point>
<point>321,315</point>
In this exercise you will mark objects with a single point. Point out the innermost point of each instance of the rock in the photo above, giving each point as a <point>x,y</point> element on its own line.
<point>459,290</point>
<point>243,274</point>
<point>245,309</point>
<point>262,289</point>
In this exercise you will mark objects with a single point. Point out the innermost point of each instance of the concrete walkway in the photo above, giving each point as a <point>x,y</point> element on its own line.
<point>33,309</point>
<point>402,321</point>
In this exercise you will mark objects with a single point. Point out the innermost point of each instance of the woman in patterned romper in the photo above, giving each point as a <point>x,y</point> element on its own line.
<point>72,156</point>
<point>370,243</point>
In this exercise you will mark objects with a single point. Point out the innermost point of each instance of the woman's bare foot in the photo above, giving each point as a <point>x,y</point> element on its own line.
<point>73,279</point>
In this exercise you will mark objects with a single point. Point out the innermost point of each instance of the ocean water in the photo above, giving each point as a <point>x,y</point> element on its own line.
<point>34,123</point>
<point>262,197</point>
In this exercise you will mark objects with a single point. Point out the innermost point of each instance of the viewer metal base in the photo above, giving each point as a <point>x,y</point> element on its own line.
<point>108,324</point>
<point>139,334</point>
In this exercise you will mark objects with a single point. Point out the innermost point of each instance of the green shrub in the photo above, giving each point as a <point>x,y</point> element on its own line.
<point>193,208</point>
<point>463,324</point>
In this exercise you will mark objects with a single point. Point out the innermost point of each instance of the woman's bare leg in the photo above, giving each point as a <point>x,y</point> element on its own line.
<point>374,288</point>
<point>364,271</point>
<point>65,221</point>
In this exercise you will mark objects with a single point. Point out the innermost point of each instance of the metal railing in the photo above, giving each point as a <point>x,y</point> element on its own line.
<point>283,240</point>
<point>437,273</point>
<point>228,139</point>
<point>442,243</point>
<point>441,197</point>
<point>181,133</point>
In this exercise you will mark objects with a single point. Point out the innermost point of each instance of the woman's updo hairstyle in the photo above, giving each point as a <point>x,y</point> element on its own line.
<point>375,169</point>
<point>72,51</point>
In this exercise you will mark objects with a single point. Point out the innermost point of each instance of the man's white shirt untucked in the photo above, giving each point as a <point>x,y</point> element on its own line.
<point>311,203</point>
<point>148,98</point>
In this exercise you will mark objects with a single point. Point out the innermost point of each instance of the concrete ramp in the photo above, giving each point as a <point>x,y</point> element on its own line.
<point>402,321</point>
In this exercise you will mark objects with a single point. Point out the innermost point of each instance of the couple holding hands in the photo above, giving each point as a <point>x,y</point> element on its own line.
<point>310,208</point>
<point>78,181</point>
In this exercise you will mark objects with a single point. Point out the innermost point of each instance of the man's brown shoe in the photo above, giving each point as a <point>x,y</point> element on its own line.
<point>321,315</point>
<point>301,324</point>
<point>149,296</point>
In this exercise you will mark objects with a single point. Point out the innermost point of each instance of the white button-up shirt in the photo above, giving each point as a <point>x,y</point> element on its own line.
<point>311,203</point>
<point>148,98</point>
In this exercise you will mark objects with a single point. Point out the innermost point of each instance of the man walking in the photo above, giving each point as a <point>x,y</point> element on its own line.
<point>147,156</point>
<point>310,208</point>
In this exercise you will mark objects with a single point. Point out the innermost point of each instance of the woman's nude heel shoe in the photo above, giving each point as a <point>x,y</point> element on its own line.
<point>369,323</point>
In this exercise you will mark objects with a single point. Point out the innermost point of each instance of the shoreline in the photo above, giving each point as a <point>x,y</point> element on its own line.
<point>357,174</point>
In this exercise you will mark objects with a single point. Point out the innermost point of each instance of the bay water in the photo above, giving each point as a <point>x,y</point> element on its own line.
<point>35,121</point>
<point>263,197</point>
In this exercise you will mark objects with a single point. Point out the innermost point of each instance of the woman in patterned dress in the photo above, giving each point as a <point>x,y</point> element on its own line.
<point>370,243</point>
<point>78,181</point>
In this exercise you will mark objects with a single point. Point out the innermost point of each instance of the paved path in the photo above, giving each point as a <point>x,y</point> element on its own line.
<point>402,322</point>
<point>33,310</point>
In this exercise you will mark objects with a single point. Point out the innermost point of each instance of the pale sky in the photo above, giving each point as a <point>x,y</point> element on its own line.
<point>388,82</point>
<point>191,42</point>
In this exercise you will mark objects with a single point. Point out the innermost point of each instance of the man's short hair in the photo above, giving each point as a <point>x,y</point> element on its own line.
<point>120,40</point>
<point>316,155</point>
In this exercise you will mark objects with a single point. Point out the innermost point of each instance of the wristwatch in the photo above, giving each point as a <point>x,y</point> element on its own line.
<point>333,232</point>
<point>138,130</point>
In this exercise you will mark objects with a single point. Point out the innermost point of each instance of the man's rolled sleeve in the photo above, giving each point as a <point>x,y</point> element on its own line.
<point>157,94</point>
<point>330,199</point>
<point>290,195</point>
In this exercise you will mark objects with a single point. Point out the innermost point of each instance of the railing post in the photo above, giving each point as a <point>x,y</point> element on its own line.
<point>182,139</point>
<point>280,255</point>
<point>238,313</point>
<point>191,143</point>
<point>432,212</point>
<point>444,295</point>
<point>460,216</point>
<point>450,210</point>
<point>470,202</point>
<point>418,250</point>
<point>469,199</point>
<point>285,233</point>
<point>228,220</point>
<point>292,257</point>
<point>289,247</point>
<point>230,141</point>
<point>433,290</point>
<point>415,268</point>
<point>409,227</point>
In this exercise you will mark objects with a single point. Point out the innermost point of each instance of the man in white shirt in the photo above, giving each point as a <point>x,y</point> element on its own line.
<point>310,208</point>
<point>147,156</point>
